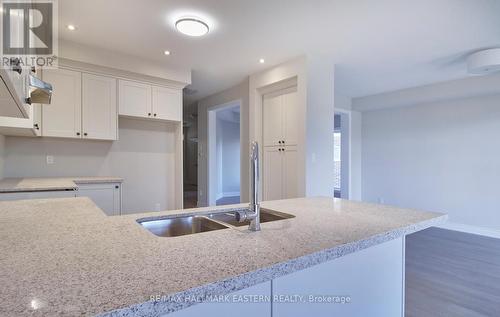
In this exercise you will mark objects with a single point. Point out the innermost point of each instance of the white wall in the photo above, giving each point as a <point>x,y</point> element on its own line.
<point>98,56</point>
<point>320,126</point>
<point>239,94</point>
<point>144,156</point>
<point>439,156</point>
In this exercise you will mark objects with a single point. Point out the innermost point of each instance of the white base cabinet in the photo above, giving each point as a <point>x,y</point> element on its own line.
<point>38,195</point>
<point>369,282</point>
<point>280,173</point>
<point>106,196</point>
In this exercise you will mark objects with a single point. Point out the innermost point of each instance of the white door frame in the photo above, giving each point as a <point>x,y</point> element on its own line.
<point>212,150</point>
<point>345,188</point>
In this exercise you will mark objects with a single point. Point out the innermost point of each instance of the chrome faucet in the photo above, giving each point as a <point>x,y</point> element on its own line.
<point>253,212</point>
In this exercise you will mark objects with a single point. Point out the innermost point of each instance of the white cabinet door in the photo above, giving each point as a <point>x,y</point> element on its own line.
<point>290,117</point>
<point>167,103</point>
<point>134,99</point>
<point>106,196</point>
<point>290,172</point>
<point>63,117</point>
<point>272,186</point>
<point>99,108</point>
<point>272,120</point>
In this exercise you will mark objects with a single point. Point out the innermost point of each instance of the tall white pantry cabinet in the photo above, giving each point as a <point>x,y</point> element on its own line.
<point>280,139</point>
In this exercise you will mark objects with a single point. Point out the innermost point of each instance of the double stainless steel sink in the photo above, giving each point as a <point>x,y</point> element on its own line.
<point>184,225</point>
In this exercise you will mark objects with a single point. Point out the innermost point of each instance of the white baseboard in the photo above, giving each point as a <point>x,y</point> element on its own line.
<point>227,194</point>
<point>230,194</point>
<point>482,231</point>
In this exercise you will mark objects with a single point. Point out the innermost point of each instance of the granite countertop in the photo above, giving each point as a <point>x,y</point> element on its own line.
<point>9,185</point>
<point>64,257</point>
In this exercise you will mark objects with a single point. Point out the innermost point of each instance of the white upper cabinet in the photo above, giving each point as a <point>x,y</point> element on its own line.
<point>280,118</point>
<point>167,103</point>
<point>134,99</point>
<point>99,110</point>
<point>290,117</point>
<point>272,120</point>
<point>83,106</point>
<point>146,101</point>
<point>63,117</point>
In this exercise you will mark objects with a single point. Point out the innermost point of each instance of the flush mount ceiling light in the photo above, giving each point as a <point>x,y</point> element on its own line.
<point>192,26</point>
<point>166,53</point>
<point>484,62</point>
<point>262,61</point>
<point>71,27</point>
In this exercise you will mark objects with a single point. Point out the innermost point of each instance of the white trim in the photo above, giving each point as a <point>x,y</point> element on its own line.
<point>482,231</point>
<point>348,113</point>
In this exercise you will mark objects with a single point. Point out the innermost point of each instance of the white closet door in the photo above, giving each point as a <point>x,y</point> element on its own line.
<point>272,119</point>
<point>167,103</point>
<point>290,117</point>
<point>99,107</point>
<point>134,99</point>
<point>272,186</point>
<point>63,117</point>
<point>290,172</point>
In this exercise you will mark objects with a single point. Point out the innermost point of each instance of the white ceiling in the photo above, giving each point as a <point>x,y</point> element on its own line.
<point>378,46</point>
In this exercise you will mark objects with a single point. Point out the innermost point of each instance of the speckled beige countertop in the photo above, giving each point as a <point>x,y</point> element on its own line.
<point>64,257</point>
<point>9,185</point>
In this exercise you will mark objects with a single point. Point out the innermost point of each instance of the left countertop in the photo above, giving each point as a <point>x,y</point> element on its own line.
<point>10,185</point>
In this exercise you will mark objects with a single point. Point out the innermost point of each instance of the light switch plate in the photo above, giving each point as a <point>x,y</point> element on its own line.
<point>50,159</point>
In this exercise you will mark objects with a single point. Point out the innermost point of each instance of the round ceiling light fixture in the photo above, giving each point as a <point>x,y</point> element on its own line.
<point>192,26</point>
<point>484,62</point>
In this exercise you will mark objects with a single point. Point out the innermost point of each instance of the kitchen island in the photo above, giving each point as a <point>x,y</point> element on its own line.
<point>65,257</point>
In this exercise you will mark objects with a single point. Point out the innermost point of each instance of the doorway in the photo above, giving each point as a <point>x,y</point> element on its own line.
<point>224,154</point>
<point>341,154</point>
<point>190,155</point>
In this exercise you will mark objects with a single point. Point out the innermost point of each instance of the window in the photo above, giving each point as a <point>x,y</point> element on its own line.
<point>337,162</point>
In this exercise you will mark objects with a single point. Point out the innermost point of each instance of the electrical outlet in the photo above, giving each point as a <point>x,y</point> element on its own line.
<point>157,207</point>
<point>50,159</point>
<point>201,193</point>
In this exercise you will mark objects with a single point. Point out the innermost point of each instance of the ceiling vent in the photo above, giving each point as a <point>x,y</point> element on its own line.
<point>484,62</point>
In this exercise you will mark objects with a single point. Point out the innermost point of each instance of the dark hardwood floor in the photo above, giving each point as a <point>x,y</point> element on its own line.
<point>228,200</point>
<point>452,274</point>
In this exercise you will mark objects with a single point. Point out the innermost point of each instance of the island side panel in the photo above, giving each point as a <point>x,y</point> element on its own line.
<point>372,280</point>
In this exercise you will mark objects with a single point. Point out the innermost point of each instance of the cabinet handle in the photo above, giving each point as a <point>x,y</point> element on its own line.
<point>283,142</point>
<point>149,114</point>
<point>117,186</point>
<point>279,142</point>
<point>155,114</point>
<point>78,133</point>
<point>36,126</point>
<point>85,134</point>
